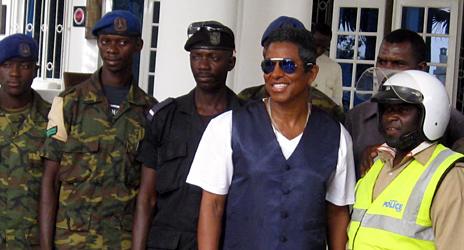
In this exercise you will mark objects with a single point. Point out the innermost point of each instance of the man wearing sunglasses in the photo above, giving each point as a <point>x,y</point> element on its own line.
<point>316,97</point>
<point>279,169</point>
<point>167,207</point>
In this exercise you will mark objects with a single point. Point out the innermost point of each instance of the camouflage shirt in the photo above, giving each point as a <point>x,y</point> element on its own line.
<point>316,97</point>
<point>98,172</point>
<point>21,136</point>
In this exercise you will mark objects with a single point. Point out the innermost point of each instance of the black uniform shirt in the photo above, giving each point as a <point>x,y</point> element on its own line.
<point>170,143</point>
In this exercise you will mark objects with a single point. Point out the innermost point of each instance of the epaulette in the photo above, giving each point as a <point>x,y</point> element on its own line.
<point>157,107</point>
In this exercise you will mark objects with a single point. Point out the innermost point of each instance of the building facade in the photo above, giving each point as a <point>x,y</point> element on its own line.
<point>62,29</point>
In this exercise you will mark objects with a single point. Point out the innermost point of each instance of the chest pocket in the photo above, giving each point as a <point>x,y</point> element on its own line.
<point>131,166</point>
<point>172,171</point>
<point>79,161</point>
<point>34,166</point>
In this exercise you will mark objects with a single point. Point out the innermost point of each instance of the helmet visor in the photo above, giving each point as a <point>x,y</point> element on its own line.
<point>370,81</point>
<point>398,94</point>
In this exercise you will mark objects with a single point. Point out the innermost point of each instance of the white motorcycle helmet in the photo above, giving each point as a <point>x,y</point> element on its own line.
<point>425,90</point>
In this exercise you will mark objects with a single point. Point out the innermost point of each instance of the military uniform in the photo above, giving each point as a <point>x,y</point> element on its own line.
<point>21,136</point>
<point>98,172</point>
<point>169,147</point>
<point>316,97</point>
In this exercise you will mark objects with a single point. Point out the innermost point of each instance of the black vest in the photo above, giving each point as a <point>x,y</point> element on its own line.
<point>274,203</point>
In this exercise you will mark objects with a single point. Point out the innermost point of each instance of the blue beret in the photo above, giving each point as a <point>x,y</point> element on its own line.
<point>281,22</point>
<point>18,46</point>
<point>118,22</point>
<point>211,35</point>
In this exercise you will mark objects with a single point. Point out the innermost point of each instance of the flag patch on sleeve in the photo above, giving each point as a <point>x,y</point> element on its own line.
<point>52,131</point>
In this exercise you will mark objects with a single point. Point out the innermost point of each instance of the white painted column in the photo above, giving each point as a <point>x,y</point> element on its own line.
<point>255,16</point>
<point>173,75</point>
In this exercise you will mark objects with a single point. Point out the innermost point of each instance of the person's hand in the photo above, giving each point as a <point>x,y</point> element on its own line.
<point>458,145</point>
<point>367,158</point>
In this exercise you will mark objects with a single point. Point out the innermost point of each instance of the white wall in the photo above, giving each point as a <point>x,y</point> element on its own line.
<point>248,19</point>
<point>81,54</point>
<point>255,17</point>
<point>173,74</point>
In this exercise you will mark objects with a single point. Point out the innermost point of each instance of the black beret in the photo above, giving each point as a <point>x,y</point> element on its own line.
<point>210,35</point>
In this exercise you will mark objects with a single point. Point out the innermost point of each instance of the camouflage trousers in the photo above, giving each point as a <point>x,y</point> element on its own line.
<point>113,238</point>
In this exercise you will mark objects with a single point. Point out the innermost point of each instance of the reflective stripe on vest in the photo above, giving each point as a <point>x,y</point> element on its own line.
<point>399,217</point>
<point>407,225</point>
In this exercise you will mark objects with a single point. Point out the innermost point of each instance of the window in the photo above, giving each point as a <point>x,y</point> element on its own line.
<point>436,22</point>
<point>150,36</point>
<point>357,34</point>
<point>3,20</point>
<point>44,22</point>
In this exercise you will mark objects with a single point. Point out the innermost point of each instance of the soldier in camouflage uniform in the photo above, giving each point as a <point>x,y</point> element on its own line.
<point>316,97</point>
<point>91,177</point>
<point>23,120</point>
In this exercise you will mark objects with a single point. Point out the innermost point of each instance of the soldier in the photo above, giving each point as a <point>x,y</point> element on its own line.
<point>91,178</point>
<point>23,120</point>
<point>400,50</point>
<point>172,138</point>
<point>317,97</point>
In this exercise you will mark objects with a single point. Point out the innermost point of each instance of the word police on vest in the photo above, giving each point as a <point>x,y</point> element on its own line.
<point>393,204</point>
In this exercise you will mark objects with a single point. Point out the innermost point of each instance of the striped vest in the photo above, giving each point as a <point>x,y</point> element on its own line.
<point>399,218</point>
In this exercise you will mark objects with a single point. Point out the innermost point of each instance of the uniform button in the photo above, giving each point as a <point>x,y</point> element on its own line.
<point>283,238</point>
<point>285,191</point>
<point>283,215</point>
<point>287,167</point>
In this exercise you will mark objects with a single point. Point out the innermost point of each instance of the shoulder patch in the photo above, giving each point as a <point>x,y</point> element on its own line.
<point>56,127</point>
<point>157,107</point>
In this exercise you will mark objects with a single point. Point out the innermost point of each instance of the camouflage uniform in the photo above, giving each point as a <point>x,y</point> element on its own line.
<point>20,174</point>
<point>316,97</point>
<point>98,173</point>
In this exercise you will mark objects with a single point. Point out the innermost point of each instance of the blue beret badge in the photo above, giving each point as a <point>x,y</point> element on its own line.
<point>24,50</point>
<point>120,24</point>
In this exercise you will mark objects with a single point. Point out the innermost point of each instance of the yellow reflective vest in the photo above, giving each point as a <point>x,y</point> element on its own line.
<point>399,218</point>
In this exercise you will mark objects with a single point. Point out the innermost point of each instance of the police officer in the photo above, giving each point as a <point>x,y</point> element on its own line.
<point>23,120</point>
<point>167,207</point>
<point>401,49</point>
<point>317,97</point>
<point>411,198</point>
<point>91,177</point>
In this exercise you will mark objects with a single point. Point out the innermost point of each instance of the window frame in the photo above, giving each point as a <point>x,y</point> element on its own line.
<point>147,36</point>
<point>452,65</point>
<point>381,5</point>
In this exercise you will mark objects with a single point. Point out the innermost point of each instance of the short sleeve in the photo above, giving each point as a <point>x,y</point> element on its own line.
<point>340,187</point>
<point>212,166</point>
<point>56,132</point>
<point>447,210</point>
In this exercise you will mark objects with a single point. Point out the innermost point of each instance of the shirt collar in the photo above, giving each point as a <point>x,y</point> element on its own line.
<point>95,91</point>
<point>186,103</point>
<point>421,153</point>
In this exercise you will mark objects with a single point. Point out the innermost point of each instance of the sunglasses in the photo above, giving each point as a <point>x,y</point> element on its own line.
<point>287,65</point>
<point>195,27</point>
